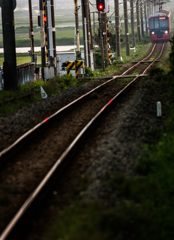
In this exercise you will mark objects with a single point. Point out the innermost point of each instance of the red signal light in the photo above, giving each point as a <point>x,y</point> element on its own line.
<point>45,18</point>
<point>100,5</point>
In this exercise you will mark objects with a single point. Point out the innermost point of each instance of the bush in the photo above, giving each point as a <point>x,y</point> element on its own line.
<point>88,72</point>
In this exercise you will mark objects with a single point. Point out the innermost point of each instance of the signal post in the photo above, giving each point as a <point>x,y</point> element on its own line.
<point>46,21</point>
<point>101,7</point>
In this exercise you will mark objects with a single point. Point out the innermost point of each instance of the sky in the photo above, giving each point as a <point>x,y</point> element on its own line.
<point>58,3</point>
<point>69,4</point>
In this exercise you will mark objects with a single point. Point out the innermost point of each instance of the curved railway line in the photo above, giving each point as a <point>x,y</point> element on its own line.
<point>50,143</point>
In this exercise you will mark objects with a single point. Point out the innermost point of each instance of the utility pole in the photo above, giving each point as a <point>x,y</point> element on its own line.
<point>31,30</point>
<point>50,36</point>
<point>77,26</point>
<point>90,30</point>
<point>104,23</point>
<point>86,32</point>
<point>145,16</point>
<point>142,22</point>
<point>132,22</point>
<point>54,37</point>
<point>42,34</point>
<point>10,75</point>
<point>94,37</point>
<point>101,40</point>
<point>46,31</point>
<point>138,20</point>
<point>117,28</point>
<point>126,27</point>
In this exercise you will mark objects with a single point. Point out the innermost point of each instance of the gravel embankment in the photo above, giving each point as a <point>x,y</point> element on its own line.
<point>121,139</point>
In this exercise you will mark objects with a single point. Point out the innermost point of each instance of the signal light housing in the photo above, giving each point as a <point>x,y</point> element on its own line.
<point>100,5</point>
<point>108,34</point>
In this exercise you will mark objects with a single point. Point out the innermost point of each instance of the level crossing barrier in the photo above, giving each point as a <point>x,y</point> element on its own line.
<point>70,65</point>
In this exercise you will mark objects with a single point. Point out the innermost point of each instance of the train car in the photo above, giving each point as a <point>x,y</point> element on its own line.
<point>159,26</point>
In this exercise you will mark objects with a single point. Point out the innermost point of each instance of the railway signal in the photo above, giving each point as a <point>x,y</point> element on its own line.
<point>108,34</point>
<point>100,5</point>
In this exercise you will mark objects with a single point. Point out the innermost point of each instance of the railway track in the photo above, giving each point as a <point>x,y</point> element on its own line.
<point>50,142</point>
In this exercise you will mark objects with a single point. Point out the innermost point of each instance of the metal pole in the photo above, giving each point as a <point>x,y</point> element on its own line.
<point>50,36</point>
<point>132,22</point>
<point>31,30</point>
<point>88,30</point>
<point>77,27</point>
<point>84,31</point>
<point>10,75</point>
<point>54,36</point>
<point>104,27</point>
<point>145,16</point>
<point>86,42</point>
<point>101,41</point>
<point>142,22</point>
<point>138,21</point>
<point>117,28</point>
<point>42,33</point>
<point>94,38</point>
<point>46,31</point>
<point>126,27</point>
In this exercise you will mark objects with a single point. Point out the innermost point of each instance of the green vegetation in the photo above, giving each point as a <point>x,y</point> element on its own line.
<point>117,65</point>
<point>144,206</point>
<point>64,36</point>
<point>11,101</point>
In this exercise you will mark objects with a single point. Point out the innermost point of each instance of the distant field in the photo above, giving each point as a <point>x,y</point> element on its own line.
<point>64,36</point>
<point>21,58</point>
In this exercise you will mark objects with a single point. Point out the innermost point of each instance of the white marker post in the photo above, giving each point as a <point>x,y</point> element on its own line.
<point>159,111</point>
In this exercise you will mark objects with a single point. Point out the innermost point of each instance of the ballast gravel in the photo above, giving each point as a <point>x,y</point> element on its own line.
<point>121,140</point>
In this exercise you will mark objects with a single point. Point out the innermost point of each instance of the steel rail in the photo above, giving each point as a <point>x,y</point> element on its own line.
<point>162,49</point>
<point>20,139</point>
<point>144,59</point>
<point>53,169</point>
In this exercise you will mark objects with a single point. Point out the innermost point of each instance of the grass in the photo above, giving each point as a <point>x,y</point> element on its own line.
<point>11,101</point>
<point>117,65</point>
<point>21,58</point>
<point>64,36</point>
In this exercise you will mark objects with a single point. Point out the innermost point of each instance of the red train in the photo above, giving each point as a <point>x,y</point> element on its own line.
<point>159,26</point>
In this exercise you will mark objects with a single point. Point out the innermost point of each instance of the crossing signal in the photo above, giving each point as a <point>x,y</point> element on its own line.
<point>100,5</point>
<point>108,34</point>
